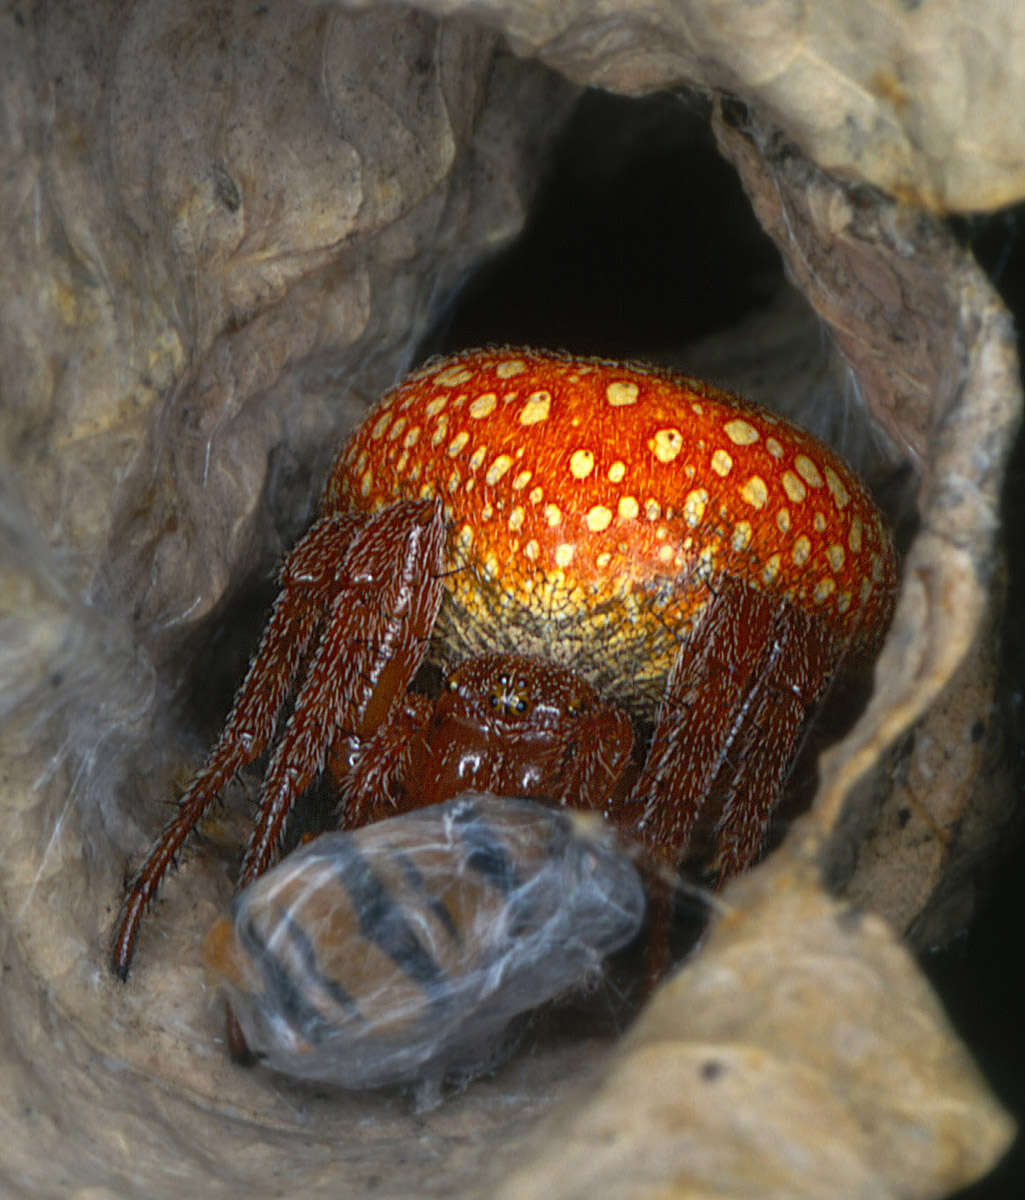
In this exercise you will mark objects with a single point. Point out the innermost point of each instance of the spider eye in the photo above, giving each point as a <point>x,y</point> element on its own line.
<point>521,705</point>
<point>493,700</point>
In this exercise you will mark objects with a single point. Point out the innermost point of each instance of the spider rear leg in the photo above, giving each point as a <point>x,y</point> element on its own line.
<point>336,557</point>
<point>727,728</point>
<point>374,640</point>
<point>726,732</point>
<point>307,583</point>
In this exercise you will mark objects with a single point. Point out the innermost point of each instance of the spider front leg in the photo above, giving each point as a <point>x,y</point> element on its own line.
<point>337,559</point>
<point>376,778</point>
<point>374,640</point>
<point>736,701</point>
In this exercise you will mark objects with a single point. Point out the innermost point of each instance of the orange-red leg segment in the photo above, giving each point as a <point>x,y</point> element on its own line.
<point>342,555</point>
<point>727,729</point>
<point>374,640</point>
<point>307,583</point>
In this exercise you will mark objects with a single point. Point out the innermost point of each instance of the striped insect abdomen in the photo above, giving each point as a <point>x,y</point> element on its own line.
<point>406,947</point>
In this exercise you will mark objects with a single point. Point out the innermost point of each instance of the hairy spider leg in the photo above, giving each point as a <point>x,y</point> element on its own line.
<point>327,561</point>
<point>374,640</point>
<point>736,700</point>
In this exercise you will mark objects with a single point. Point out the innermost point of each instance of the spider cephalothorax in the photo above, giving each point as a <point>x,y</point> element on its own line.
<point>615,543</point>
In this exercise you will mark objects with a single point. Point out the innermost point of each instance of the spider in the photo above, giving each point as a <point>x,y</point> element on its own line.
<point>640,587</point>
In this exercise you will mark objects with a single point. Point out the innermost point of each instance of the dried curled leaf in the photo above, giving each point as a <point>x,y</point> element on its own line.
<point>919,99</point>
<point>801,1054</point>
<point>933,351</point>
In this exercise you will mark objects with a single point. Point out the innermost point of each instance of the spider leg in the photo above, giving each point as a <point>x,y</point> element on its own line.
<point>307,584</point>
<point>728,725</point>
<point>599,767</point>
<point>789,684</point>
<point>379,777</point>
<point>726,732</point>
<point>375,637</point>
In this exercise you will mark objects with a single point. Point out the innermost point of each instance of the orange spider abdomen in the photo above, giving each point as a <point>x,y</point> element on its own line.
<point>593,505</point>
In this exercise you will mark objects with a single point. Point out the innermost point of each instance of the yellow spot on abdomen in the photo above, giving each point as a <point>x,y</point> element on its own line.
<point>453,377</point>
<point>722,464</point>
<point>457,443</point>
<point>741,536</point>
<point>511,367</point>
<point>694,507</point>
<point>666,444</point>
<point>740,433</point>
<point>498,468</point>
<point>841,497</point>
<point>581,464</point>
<point>483,406</point>
<point>536,409</point>
<point>553,515</point>
<point>564,554</point>
<point>808,471</point>
<point>755,492</point>
<point>801,551</point>
<point>836,557</point>
<point>627,508</point>
<point>621,392</point>
<point>823,590</point>
<point>793,487</point>
<point>491,568</point>
<point>854,537</point>
<point>598,518</point>
<point>617,471</point>
<point>440,431</point>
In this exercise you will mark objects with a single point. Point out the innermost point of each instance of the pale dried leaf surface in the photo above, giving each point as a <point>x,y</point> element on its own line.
<point>919,99</point>
<point>913,840</point>
<point>801,1054</point>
